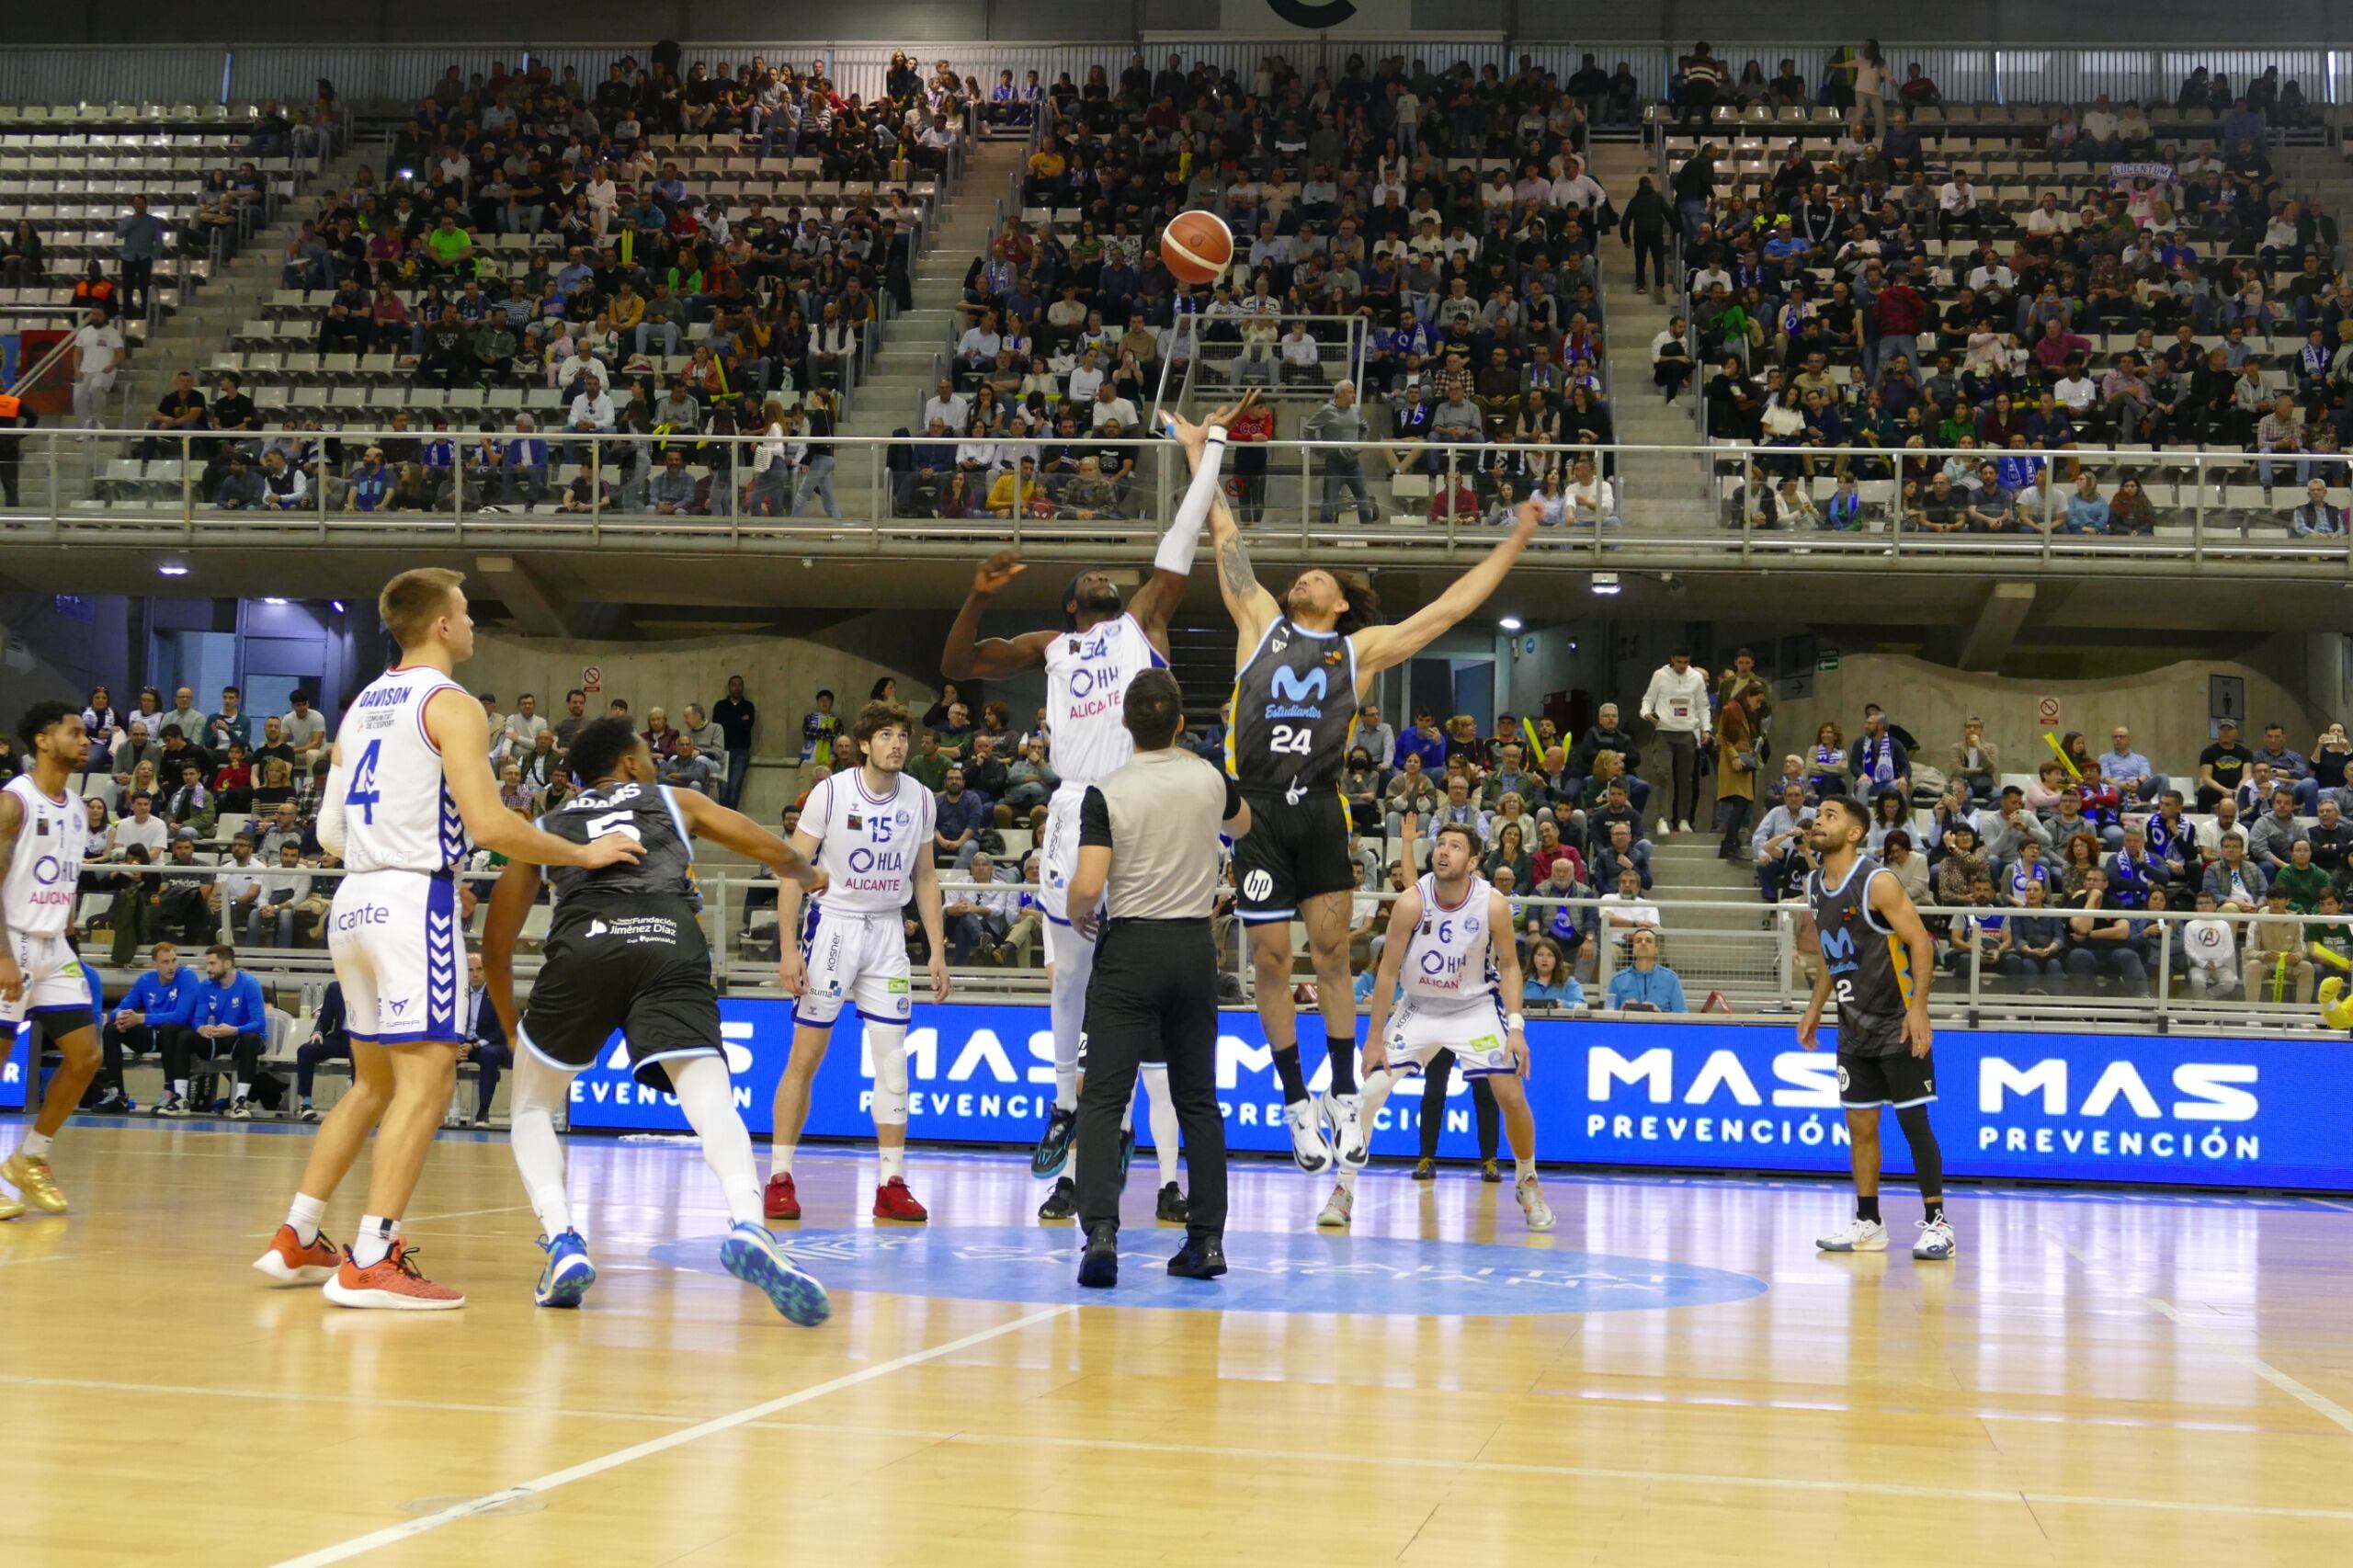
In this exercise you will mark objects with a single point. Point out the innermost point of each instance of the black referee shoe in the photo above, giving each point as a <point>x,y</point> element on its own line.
<point>1098,1266</point>
<point>1197,1260</point>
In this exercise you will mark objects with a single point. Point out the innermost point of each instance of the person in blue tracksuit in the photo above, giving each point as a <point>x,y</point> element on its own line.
<point>1647,984</point>
<point>229,1020</point>
<point>158,1003</point>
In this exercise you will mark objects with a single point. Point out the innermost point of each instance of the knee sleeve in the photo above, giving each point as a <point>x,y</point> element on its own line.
<point>888,1042</point>
<point>1927,1156</point>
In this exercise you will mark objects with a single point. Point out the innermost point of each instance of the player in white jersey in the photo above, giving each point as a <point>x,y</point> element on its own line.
<point>1088,663</point>
<point>1451,947</point>
<point>871,829</point>
<point>409,793</point>
<point>43,828</point>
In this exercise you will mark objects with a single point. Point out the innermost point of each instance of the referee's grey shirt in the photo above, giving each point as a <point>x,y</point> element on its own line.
<point>1159,816</point>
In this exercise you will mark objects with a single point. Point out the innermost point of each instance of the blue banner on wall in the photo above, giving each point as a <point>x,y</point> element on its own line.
<point>2132,1109</point>
<point>16,1072</point>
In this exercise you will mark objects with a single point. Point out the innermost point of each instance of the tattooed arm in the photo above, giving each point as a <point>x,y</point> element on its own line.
<point>1253,608</point>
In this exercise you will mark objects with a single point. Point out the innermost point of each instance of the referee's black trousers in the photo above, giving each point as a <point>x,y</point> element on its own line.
<point>1153,998</point>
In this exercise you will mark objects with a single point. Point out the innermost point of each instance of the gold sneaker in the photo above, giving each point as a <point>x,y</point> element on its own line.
<point>30,1175</point>
<point>10,1208</point>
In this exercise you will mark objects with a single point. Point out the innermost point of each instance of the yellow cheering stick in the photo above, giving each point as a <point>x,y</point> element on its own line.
<point>1535,752</point>
<point>2336,1006</point>
<point>2065,760</point>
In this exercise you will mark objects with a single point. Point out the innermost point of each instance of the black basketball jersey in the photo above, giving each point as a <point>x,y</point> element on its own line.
<point>643,811</point>
<point>1871,969</point>
<point>1294,709</point>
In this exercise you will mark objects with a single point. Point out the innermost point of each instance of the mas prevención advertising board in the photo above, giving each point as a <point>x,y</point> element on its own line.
<point>2088,1107</point>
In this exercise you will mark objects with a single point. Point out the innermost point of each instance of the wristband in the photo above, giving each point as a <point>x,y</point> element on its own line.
<point>1515,1021</point>
<point>1216,433</point>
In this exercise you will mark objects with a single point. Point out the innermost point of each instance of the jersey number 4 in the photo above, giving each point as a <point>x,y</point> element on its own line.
<point>1297,740</point>
<point>363,793</point>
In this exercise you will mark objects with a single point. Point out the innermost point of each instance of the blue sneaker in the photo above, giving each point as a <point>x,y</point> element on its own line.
<point>569,1273</point>
<point>750,1253</point>
<point>1127,1153</point>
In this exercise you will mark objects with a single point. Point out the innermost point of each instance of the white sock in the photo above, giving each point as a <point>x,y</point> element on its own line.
<point>539,1152</point>
<point>1161,1113</point>
<point>1066,1089</point>
<point>1347,1180</point>
<point>36,1146</point>
<point>236,1091</point>
<point>374,1240</point>
<point>895,1160</point>
<point>707,1094</point>
<point>179,1088</point>
<point>306,1213</point>
<point>1523,1170</point>
<point>780,1160</point>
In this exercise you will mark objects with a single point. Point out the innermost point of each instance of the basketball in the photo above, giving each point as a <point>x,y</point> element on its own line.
<point>1198,247</point>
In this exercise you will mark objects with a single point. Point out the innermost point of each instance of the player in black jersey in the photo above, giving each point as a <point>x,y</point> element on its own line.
<point>626,951</point>
<point>1877,959</point>
<point>1302,667</point>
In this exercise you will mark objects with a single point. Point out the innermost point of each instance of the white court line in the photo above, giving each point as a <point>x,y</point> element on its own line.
<point>269,1396</point>
<point>2255,1364</point>
<point>2332,1203</point>
<point>360,1545</point>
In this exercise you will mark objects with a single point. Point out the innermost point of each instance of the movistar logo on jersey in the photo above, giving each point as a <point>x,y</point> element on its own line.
<point>1299,696</point>
<point>1838,950</point>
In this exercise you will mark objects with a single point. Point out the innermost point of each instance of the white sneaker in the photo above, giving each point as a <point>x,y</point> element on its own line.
<point>1338,1209</point>
<point>240,1110</point>
<point>1665,828</point>
<point>1532,1204</point>
<point>1860,1236</point>
<point>1307,1145</point>
<point>1937,1240</point>
<point>1683,827</point>
<point>1344,1115</point>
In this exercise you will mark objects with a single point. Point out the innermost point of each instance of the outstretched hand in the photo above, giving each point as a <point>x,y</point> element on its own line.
<point>991,576</point>
<point>1531,518</point>
<point>1194,437</point>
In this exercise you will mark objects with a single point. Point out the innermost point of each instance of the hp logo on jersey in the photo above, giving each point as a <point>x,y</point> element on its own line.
<point>1258,884</point>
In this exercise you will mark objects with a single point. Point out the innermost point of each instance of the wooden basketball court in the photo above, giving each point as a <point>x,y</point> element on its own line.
<point>2140,1380</point>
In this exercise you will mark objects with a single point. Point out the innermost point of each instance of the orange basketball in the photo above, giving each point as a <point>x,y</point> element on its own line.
<point>1198,247</point>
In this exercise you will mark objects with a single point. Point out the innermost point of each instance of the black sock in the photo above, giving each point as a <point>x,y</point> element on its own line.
<point>1287,1069</point>
<point>1867,1207</point>
<point>1936,1208</point>
<point>1342,1048</point>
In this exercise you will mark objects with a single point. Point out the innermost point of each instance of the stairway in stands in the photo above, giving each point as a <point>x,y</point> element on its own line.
<point>892,394</point>
<point>1661,489</point>
<point>1730,950</point>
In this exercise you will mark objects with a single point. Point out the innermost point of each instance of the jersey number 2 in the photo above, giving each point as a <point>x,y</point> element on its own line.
<point>1296,739</point>
<point>363,792</point>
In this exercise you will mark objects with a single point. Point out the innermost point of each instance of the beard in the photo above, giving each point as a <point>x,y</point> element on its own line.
<point>1104,600</point>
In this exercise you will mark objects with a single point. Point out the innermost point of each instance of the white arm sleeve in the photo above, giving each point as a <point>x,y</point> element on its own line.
<point>1183,539</point>
<point>331,812</point>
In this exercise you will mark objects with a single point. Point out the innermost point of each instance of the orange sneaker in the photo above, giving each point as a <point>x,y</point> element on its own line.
<point>893,1201</point>
<point>288,1262</point>
<point>393,1284</point>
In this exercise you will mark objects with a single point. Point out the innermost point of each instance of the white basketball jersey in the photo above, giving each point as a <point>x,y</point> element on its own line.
<point>867,847</point>
<point>397,813</point>
<point>46,868</point>
<point>1086,681</point>
<point>1450,957</point>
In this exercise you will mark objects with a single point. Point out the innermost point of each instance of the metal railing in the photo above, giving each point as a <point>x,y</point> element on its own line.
<point>2227,509</point>
<point>1765,967</point>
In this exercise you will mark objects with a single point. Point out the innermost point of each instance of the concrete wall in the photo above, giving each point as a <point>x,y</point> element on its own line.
<point>2166,708</point>
<point>53,650</point>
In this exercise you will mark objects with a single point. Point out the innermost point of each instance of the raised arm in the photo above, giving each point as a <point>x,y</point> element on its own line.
<point>1253,608</point>
<point>968,655</point>
<point>1380,647</point>
<point>1172,564</point>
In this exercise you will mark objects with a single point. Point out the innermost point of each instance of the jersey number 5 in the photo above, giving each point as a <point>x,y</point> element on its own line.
<point>363,793</point>
<point>1296,739</point>
<point>613,823</point>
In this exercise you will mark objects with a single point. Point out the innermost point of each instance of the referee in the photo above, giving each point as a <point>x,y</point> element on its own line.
<point>1147,875</point>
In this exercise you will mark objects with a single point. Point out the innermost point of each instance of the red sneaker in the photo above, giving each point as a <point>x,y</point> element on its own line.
<point>893,1201</point>
<point>780,1202</point>
<point>392,1283</point>
<point>288,1262</point>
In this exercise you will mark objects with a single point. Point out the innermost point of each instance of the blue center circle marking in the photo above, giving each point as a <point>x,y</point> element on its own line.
<point>1271,1271</point>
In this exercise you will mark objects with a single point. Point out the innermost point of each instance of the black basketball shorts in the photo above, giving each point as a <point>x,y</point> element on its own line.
<point>644,969</point>
<point>1899,1082</point>
<point>1295,850</point>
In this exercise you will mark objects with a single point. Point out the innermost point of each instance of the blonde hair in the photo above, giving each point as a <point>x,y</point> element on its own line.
<point>413,601</point>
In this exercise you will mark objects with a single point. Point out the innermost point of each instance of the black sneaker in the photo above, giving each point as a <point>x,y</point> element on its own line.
<point>1173,1209</point>
<point>1198,1260</point>
<point>114,1102</point>
<point>1062,1202</point>
<point>1098,1267</point>
<point>1490,1173</point>
<point>171,1105</point>
<point>310,1112</point>
<point>1053,1151</point>
<point>1424,1170</point>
